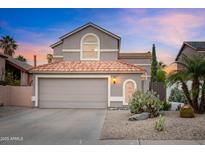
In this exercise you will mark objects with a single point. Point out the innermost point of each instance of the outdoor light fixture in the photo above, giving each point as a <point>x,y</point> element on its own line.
<point>114,80</point>
<point>143,77</point>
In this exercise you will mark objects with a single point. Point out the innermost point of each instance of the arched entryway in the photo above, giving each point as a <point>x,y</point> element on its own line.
<point>129,87</point>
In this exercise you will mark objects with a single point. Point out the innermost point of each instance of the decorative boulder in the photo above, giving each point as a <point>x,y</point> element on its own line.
<point>141,116</point>
<point>187,111</point>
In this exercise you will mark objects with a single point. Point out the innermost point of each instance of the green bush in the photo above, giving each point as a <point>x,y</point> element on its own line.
<point>177,96</point>
<point>145,102</point>
<point>160,123</point>
<point>166,106</point>
<point>11,79</point>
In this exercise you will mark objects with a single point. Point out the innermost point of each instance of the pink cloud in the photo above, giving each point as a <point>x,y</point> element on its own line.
<point>29,50</point>
<point>171,28</point>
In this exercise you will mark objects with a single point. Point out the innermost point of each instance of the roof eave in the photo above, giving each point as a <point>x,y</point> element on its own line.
<point>63,72</point>
<point>56,44</point>
<point>180,51</point>
<point>86,25</point>
<point>17,66</point>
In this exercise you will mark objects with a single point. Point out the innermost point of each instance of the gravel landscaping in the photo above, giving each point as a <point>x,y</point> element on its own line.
<point>117,126</point>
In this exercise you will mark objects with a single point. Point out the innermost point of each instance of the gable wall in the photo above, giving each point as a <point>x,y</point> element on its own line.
<point>72,45</point>
<point>188,51</point>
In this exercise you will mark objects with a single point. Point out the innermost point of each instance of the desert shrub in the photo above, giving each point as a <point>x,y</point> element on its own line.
<point>177,96</point>
<point>145,102</point>
<point>166,106</point>
<point>160,123</point>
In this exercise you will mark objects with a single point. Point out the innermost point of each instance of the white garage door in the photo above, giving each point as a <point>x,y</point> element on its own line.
<point>73,93</point>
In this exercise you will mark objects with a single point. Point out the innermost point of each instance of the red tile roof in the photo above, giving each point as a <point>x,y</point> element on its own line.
<point>146,55</point>
<point>88,67</point>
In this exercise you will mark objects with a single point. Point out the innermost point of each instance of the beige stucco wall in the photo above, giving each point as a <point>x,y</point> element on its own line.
<point>2,68</point>
<point>4,95</point>
<point>73,42</point>
<point>16,95</point>
<point>117,88</point>
<point>24,78</point>
<point>145,63</point>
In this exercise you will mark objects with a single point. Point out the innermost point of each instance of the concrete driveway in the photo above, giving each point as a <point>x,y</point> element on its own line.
<point>52,126</point>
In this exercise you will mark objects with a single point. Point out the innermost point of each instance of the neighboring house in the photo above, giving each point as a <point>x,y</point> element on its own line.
<point>20,68</point>
<point>189,49</point>
<point>88,71</point>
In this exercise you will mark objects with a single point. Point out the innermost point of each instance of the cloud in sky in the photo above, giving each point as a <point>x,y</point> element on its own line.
<point>139,28</point>
<point>29,50</point>
<point>168,28</point>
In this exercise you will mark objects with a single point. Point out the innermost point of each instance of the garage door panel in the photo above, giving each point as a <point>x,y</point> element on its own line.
<point>51,104</point>
<point>73,93</point>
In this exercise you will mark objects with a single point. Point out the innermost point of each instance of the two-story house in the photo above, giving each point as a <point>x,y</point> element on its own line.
<point>88,71</point>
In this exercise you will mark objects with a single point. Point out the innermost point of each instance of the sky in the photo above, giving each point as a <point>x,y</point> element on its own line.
<point>36,29</point>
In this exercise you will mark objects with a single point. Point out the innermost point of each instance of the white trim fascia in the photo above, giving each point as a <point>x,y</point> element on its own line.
<point>57,43</point>
<point>57,56</point>
<point>101,50</point>
<point>124,83</point>
<point>109,50</point>
<point>71,50</point>
<point>36,90</point>
<point>116,98</point>
<point>37,77</point>
<point>62,37</point>
<point>201,51</point>
<point>144,64</point>
<point>81,46</point>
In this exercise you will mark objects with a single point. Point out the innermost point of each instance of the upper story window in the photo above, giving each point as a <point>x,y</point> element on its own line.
<point>90,47</point>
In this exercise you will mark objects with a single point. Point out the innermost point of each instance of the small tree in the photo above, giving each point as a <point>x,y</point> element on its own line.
<point>161,74</point>
<point>49,58</point>
<point>21,58</point>
<point>154,65</point>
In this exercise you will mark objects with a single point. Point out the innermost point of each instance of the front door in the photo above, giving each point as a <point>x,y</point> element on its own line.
<point>129,90</point>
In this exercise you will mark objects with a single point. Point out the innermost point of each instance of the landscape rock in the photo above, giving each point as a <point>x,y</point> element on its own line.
<point>141,116</point>
<point>187,111</point>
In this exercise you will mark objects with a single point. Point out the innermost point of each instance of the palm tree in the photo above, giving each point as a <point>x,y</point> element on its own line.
<point>8,44</point>
<point>194,67</point>
<point>161,64</point>
<point>49,58</point>
<point>202,103</point>
<point>21,58</point>
<point>179,77</point>
<point>192,70</point>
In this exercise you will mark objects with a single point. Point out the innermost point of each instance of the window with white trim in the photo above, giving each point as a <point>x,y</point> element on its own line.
<point>90,47</point>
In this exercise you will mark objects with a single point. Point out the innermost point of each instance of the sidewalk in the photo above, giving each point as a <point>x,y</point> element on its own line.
<point>140,142</point>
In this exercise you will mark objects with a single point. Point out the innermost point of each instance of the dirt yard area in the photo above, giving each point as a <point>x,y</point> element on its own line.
<point>117,126</point>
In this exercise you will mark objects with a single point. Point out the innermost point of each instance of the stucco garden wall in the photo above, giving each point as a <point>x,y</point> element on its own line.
<point>16,95</point>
